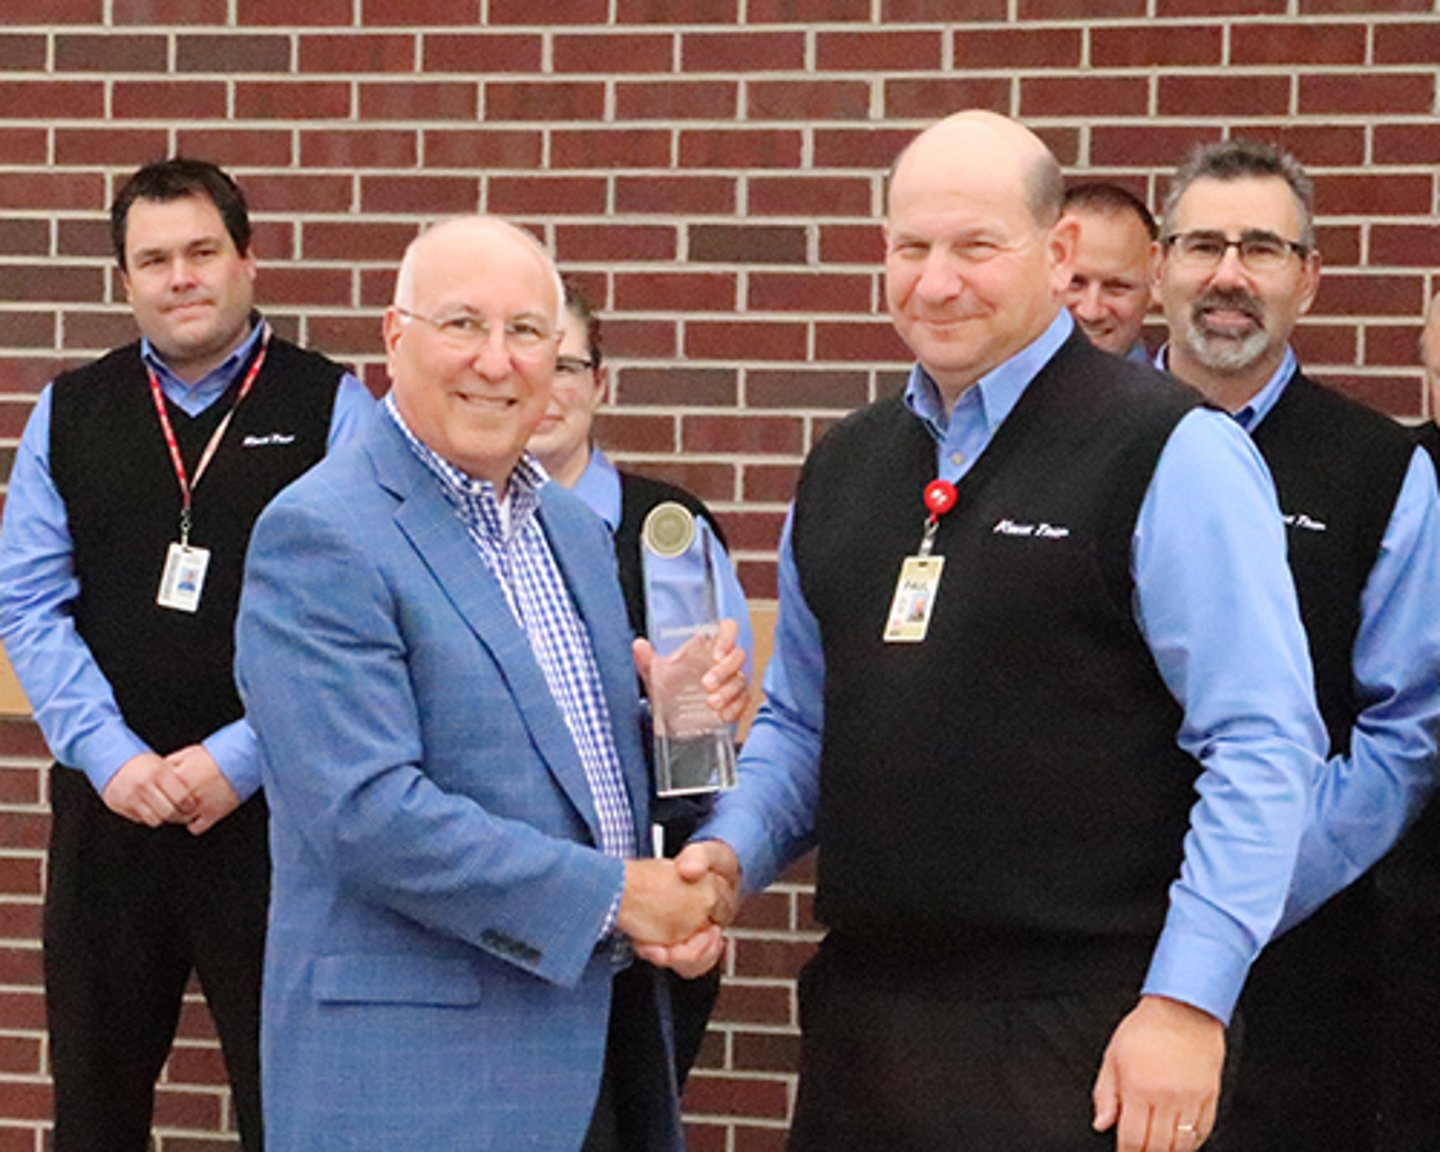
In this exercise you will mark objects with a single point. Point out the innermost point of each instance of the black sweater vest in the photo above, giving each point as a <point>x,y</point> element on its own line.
<point>171,670</point>
<point>1014,779</point>
<point>1338,469</point>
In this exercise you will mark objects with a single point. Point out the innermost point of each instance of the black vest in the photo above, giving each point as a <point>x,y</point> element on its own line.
<point>1338,469</point>
<point>638,495</point>
<point>171,670</point>
<point>1015,777</point>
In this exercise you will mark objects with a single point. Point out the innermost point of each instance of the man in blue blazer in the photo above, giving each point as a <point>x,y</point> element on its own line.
<point>433,650</point>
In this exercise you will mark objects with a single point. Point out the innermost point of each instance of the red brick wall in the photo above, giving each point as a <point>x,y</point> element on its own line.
<point>714,170</point>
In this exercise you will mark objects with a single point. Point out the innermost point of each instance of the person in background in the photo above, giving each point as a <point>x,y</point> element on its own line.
<point>1239,267</point>
<point>1429,431</point>
<point>1409,886</point>
<point>133,494</point>
<point>1109,290</point>
<point>564,443</point>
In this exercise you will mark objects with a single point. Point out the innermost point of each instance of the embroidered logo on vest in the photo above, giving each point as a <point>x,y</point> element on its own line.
<point>1300,520</point>
<point>1042,531</point>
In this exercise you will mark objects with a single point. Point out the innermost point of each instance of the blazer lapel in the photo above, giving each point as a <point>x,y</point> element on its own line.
<point>429,522</point>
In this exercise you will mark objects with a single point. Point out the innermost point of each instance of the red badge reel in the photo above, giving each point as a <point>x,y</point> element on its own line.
<point>940,497</point>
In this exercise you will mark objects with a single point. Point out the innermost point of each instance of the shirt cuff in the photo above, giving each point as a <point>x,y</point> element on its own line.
<point>1198,970</point>
<point>760,864</point>
<point>102,755</point>
<point>607,927</point>
<point>236,753</point>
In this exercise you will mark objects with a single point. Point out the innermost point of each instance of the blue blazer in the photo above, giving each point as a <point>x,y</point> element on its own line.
<point>431,978</point>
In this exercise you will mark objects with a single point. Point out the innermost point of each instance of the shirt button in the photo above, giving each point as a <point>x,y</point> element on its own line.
<point>957,458</point>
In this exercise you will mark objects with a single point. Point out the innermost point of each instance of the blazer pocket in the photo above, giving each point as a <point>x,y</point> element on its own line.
<point>395,979</point>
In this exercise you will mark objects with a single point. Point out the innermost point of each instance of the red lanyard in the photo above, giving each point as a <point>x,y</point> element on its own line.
<point>188,486</point>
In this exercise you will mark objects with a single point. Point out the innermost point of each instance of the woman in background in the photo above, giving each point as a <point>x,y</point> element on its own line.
<point>565,447</point>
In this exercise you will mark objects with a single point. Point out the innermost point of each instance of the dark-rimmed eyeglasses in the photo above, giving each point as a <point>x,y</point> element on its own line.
<point>1259,251</point>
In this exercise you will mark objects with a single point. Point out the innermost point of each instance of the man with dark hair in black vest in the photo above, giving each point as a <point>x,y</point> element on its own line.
<point>1040,696</point>
<point>1239,267</point>
<point>1109,291</point>
<point>130,506</point>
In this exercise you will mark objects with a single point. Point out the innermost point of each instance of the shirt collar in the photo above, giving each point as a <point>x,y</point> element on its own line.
<point>1259,405</point>
<point>599,488</point>
<point>495,515</point>
<point>998,391</point>
<point>218,378</point>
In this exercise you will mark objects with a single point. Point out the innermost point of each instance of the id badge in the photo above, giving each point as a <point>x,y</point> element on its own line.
<point>914,599</point>
<point>184,578</point>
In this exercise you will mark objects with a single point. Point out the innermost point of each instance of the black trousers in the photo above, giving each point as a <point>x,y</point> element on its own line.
<point>1309,1076</point>
<point>130,912</point>
<point>886,1067</point>
<point>691,1001</point>
<point>638,1081</point>
<point>1409,888</point>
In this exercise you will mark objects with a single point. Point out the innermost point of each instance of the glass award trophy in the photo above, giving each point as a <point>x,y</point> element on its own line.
<point>694,747</point>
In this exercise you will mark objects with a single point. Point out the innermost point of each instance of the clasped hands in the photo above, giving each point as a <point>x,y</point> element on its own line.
<point>185,787</point>
<point>675,911</point>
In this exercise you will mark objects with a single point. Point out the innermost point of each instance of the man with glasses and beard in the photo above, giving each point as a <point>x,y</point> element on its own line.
<point>1239,266</point>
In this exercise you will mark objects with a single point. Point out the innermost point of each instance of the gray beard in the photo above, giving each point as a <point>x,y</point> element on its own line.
<point>1223,354</point>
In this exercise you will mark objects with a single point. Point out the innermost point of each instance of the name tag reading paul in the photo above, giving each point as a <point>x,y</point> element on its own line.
<point>919,581</point>
<point>914,600</point>
<point>184,578</point>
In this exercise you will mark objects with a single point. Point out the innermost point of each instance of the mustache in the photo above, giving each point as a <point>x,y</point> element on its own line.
<point>1229,300</point>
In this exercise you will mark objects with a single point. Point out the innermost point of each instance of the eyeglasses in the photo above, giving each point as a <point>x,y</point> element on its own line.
<point>1259,251</point>
<point>525,337</point>
<point>568,367</point>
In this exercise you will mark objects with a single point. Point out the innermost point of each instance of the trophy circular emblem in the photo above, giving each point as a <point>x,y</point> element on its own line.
<point>668,529</point>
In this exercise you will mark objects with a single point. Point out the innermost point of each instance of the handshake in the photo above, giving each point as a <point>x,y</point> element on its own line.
<point>674,911</point>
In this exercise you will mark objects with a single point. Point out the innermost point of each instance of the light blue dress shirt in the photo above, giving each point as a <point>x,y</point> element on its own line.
<point>1363,801</point>
<point>1216,605</point>
<point>599,488</point>
<point>73,702</point>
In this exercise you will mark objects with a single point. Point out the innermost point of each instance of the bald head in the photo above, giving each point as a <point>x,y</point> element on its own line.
<point>443,245</point>
<point>976,256</point>
<point>989,145</point>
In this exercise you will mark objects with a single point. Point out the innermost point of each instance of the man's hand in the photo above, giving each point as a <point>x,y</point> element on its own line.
<point>728,691</point>
<point>690,958</point>
<point>213,797</point>
<point>713,857</point>
<point>148,790</point>
<point>697,955</point>
<point>1159,1082</point>
<point>658,907</point>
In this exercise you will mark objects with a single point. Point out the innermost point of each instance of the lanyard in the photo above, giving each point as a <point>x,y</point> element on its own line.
<point>188,486</point>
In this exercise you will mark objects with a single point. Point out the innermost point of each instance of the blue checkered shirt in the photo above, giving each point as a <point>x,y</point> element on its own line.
<point>514,548</point>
